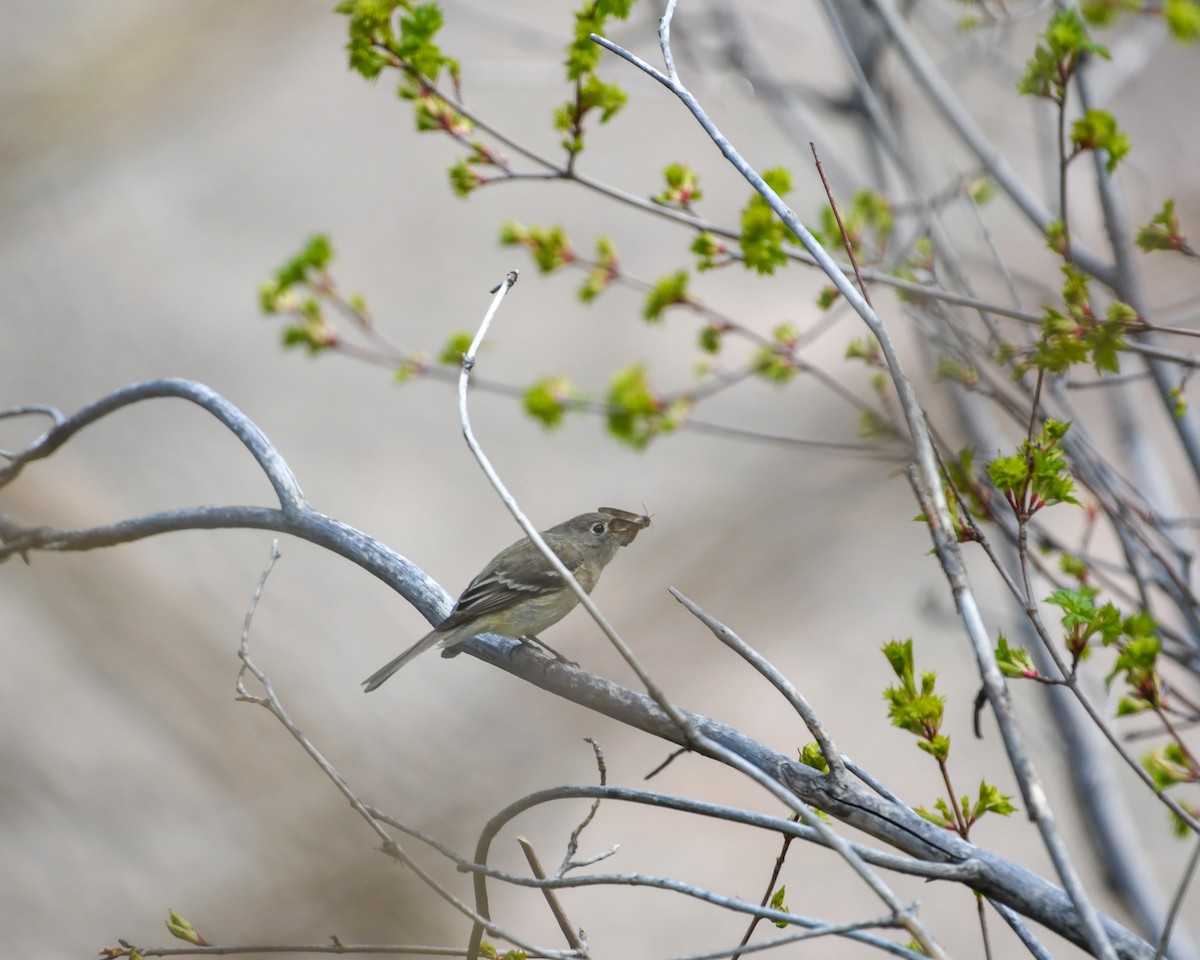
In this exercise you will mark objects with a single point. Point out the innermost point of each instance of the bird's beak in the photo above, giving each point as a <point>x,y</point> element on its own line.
<point>625,525</point>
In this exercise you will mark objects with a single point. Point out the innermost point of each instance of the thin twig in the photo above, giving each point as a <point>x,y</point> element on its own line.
<point>812,720</point>
<point>552,901</point>
<point>841,226</point>
<point>468,363</point>
<point>270,701</point>
<point>1185,881</point>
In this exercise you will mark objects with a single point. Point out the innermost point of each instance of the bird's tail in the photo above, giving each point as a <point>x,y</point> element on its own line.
<point>380,675</point>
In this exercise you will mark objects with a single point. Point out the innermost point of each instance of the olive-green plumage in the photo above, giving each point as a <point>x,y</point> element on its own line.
<point>519,594</point>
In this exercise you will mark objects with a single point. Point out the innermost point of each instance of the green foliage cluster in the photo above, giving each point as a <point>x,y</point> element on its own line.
<point>291,291</point>
<point>764,234</point>
<point>1135,637</point>
<point>181,929</point>
<point>1170,765</point>
<point>1073,334</point>
<point>918,709</point>
<point>912,707</point>
<point>379,39</point>
<point>549,246</point>
<point>682,189</point>
<point>1087,622</point>
<point>1098,130</point>
<point>777,903</point>
<point>488,951</point>
<point>402,35</point>
<point>775,362</point>
<point>1164,232</point>
<point>868,222</point>
<point>636,414</point>
<point>1048,74</point>
<point>1037,475</point>
<point>548,400</point>
<point>604,270</point>
<point>583,57</point>
<point>710,251</point>
<point>668,291</point>
<point>1015,662</point>
<point>811,756</point>
<point>1065,41</point>
<point>1182,17</point>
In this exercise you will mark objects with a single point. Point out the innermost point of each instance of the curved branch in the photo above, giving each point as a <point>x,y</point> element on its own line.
<point>287,488</point>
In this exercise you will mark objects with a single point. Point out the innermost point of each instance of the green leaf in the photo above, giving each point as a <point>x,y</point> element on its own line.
<point>773,364</point>
<point>374,44</point>
<point>315,257</point>
<point>900,655</point>
<point>1014,661</point>
<point>865,349</point>
<point>786,335</point>
<point>942,818</point>
<point>683,187</point>
<point>707,247</point>
<point>1168,766</point>
<point>950,369</point>
<point>1163,232</point>
<point>1008,474</point>
<point>991,800</point>
<point>1183,19</point>
<point>828,296</point>
<point>548,400</point>
<point>583,56</point>
<point>1053,62</point>
<point>411,366</point>
<point>777,904</point>
<point>464,179</point>
<point>549,246</point>
<point>937,746</point>
<point>633,406</point>
<point>608,98</point>
<point>811,756</point>
<point>1098,130</point>
<point>603,273</point>
<point>867,222</point>
<point>710,337</point>
<point>915,708</point>
<point>458,344</point>
<point>668,291</point>
<point>182,930</point>
<point>1078,606</point>
<point>1100,13</point>
<point>1075,335</point>
<point>763,234</point>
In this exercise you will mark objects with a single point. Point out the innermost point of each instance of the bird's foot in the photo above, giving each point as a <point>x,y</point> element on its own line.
<point>537,642</point>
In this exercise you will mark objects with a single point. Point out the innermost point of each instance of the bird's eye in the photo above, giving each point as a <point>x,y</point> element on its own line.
<point>598,527</point>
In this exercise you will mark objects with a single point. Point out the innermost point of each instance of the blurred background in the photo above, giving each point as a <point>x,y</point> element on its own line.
<point>157,161</point>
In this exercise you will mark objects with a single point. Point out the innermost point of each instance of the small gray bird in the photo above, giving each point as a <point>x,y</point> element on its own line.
<point>519,594</point>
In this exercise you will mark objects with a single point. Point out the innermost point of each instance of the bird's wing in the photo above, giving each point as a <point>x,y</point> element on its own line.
<point>498,589</point>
